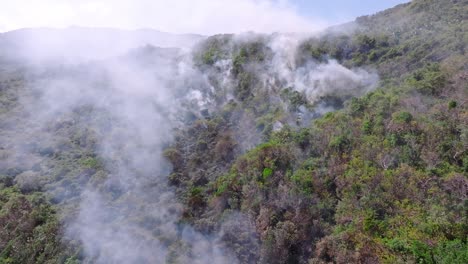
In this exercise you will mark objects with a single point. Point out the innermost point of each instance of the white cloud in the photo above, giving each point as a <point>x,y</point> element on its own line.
<point>181,16</point>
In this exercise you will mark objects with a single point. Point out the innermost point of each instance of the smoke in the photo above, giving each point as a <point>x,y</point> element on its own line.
<point>138,222</point>
<point>77,44</point>
<point>316,79</point>
<point>122,112</point>
<point>179,16</point>
<point>323,85</point>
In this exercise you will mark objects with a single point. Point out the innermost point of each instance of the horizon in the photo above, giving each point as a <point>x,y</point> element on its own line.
<point>231,132</point>
<point>206,17</point>
<point>99,28</point>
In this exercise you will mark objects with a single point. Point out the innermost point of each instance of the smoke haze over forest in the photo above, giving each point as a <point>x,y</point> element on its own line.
<point>285,142</point>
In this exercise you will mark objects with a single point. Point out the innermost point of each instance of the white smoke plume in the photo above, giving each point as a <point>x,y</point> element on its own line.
<point>131,214</point>
<point>317,79</point>
<point>205,17</point>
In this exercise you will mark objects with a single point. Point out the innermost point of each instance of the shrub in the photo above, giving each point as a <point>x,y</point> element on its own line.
<point>90,163</point>
<point>28,181</point>
<point>429,80</point>
<point>267,172</point>
<point>452,104</point>
<point>401,117</point>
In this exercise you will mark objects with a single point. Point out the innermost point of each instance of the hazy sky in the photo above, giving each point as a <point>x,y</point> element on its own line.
<point>193,16</point>
<point>337,11</point>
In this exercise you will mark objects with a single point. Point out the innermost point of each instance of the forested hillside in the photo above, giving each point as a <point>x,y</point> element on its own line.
<point>350,146</point>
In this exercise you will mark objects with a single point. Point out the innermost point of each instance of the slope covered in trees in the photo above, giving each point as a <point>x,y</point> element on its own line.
<point>382,180</point>
<point>346,147</point>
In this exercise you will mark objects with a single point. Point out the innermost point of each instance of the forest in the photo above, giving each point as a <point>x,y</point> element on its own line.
<point>348,146</point>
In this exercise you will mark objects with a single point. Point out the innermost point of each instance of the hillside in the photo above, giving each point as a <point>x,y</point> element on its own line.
<point>350,146</point>
<point>81,43</point>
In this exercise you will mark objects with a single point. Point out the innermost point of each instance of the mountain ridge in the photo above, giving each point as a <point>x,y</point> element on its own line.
<point>77,43</point>
<point>344,147</point>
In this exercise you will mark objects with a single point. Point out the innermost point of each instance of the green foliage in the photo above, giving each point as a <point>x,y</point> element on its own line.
<point>402,117</point>
<point>267,172</point>
<point>428,80</point>
<point>90,162</point>
<point>365,43</point>
<point>295,98</point>
<point>209,57</point>
<point>339,143</point>
<point>367,126</point>
<point>381,181</point>
<point>211,50</point>
<point>452,104</point>
<point>30,229</point>
<point>372,172</point>
<point>303,180</point>
<point>454,251</point>
<point>243,90</point>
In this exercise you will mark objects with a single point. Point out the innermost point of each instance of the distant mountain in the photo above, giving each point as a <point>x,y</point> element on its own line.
<point>86,43</point>
<point>349,146</point>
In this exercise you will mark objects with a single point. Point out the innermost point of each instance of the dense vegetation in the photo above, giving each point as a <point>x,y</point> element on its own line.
<point>383,179</point>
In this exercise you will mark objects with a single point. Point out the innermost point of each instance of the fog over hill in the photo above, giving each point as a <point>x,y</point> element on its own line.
<point>137,146</point>
<point>87,43</point>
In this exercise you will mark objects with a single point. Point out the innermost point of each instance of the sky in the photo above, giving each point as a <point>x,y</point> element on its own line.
<point>188,16</point>
<point>339,11</point>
